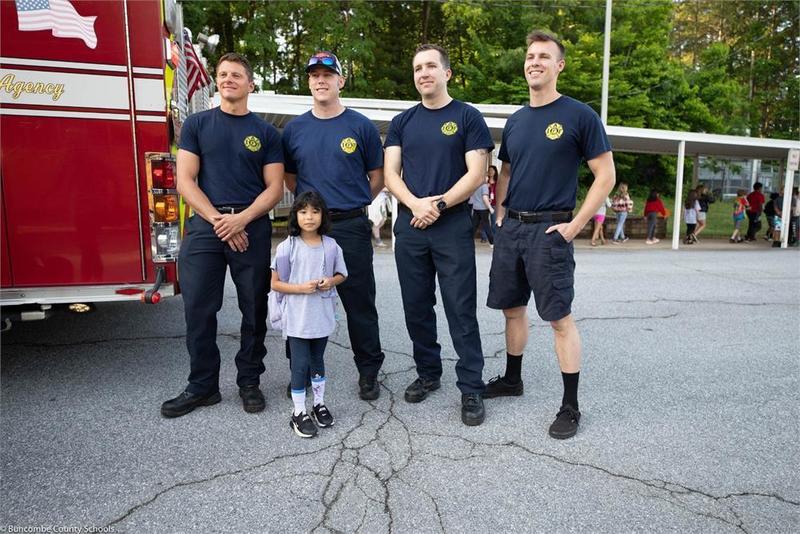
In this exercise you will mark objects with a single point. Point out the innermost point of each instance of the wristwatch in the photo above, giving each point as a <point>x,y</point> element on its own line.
<point>441,205</point>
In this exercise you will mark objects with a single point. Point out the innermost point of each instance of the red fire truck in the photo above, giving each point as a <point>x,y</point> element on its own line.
<point>91,95</point>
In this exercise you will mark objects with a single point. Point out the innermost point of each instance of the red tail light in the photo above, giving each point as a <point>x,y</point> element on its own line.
<point>163,174</point>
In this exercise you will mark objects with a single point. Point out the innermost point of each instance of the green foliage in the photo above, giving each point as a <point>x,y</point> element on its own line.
<point>695,65</point>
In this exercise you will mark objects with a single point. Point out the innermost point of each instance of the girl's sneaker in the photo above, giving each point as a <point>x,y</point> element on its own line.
<point>322,416</point>
<point>303,426</point>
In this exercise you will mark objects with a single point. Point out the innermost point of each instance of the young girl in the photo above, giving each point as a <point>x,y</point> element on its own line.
<point>599,218</point>
<point>652,209</point>
<point>622,205</point>
<point>690,210</point>
<point>307,267</point>
<point>740,205</point>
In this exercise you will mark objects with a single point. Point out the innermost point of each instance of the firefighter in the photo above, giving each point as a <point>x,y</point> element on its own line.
<point>237,161</point>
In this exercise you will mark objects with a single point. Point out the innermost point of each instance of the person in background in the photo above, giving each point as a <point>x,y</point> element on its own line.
<point>599,219</point>
<point>769,211</point>
<point>691,209</point>
<point>756,201</point>
<point>704,198</point>
<point>778,220</point>
<point>491,173</point>
<point>652,209</point>
<point>378,213</point>
<point>622,205</point>
<point>740,206</point>
<point>481,209</point>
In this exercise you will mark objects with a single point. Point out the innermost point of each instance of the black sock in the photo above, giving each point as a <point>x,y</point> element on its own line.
<point>570,389</point>
<point>513,369</point>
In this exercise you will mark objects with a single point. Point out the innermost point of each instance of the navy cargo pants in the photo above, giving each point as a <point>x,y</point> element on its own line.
<point>354,236</point>
<point>203,261</point>
<point>445,250</point>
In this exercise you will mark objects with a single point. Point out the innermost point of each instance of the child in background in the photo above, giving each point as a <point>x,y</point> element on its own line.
<point>599,218</point>
<point>622,205</point>
<point>307,267</point>
<point>740,205</point>
<point>652,209</point>
<point>690,211</point>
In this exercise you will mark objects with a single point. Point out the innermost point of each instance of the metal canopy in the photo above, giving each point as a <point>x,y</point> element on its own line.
<point>280,109</point>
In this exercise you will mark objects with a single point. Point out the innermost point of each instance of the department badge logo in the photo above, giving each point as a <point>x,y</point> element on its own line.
<point>449,128</point>
<point>554,131</point>
<point>252,143</point>
<point>348,145</point>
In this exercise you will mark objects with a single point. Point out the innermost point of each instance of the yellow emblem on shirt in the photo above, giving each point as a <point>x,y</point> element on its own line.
<point>554,131</point>
<point>349,145</point>
<point>449,128</point>
<point>252,143</point>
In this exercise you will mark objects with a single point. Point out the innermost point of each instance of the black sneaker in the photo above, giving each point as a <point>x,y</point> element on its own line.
<point>252,399</point>
<point>186,402</point>
<point>303,426</point>
<point>498,387</point>
<point>322,416</point>
<point>566,423</point>
<point>472,411</point>
<point>368,388</point>
<point>418,390</point>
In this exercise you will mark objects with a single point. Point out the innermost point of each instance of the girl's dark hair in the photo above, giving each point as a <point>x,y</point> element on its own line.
<point>314,200</point>
<point>496,172</point>
<point>691,197</point>
<point>652,196</point>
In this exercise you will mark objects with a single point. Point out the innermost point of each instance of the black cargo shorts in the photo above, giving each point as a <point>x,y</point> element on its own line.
<point>526,260</point>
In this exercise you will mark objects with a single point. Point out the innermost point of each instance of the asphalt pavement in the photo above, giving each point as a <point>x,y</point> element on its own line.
<point>689,394</point>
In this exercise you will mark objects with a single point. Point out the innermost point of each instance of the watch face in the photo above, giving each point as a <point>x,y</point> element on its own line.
<point>441,205</point>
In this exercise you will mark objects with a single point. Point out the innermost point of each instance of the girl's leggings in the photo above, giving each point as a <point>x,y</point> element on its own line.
<point>306,359</point>
<point>690,228</point>
<point>651,224</point>
<point>619,233</point>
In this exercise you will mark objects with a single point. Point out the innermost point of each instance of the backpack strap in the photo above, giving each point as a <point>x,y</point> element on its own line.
<point>330,252</point>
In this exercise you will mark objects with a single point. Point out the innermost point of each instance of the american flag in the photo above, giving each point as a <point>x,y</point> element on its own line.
<point>56,15</point>
<point>196,75</point>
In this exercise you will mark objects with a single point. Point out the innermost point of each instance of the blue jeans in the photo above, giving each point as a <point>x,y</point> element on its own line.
<point>306,360</point>
<point>619,233</point>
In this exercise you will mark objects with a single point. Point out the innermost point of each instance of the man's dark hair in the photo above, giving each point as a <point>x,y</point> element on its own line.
<point>653,195</point>
<point>442,53</point>
<point>233,57</point>
<point>757,186</point>
<point>310,199</point>
<point>543,36</point>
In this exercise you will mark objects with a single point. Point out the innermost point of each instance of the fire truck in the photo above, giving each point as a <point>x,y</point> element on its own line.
<point>92,96</point>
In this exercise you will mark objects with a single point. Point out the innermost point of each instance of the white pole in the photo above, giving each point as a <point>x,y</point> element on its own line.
<point>606,60</point>
<point>786,210</point>
<point>676,221</point>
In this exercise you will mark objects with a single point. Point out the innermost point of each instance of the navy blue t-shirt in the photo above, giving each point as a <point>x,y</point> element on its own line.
<point>545,146</point>
<point>233,150</point>
<point>333,156</point>
<point>434,142</point>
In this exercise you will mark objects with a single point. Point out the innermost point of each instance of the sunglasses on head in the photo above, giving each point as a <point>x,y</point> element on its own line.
<point>322,60</point>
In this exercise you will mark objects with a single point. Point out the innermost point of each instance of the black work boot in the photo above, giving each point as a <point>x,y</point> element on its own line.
<point>252,399</point>
<point>368,388</point>
<point>418,390</point>
<point>186,402</point>
<point>472,411</point>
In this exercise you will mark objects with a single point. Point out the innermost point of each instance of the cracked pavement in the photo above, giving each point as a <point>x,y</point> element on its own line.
<point>689,394</point>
